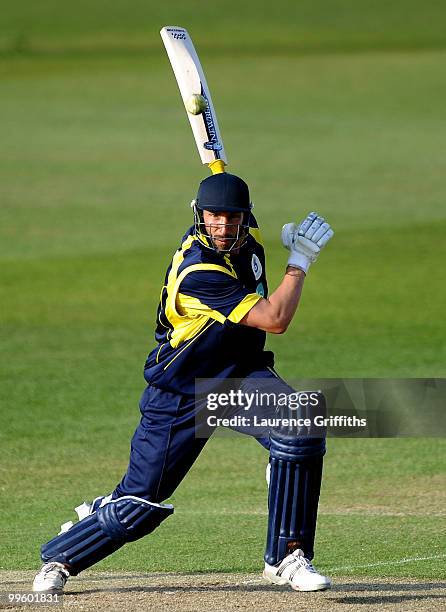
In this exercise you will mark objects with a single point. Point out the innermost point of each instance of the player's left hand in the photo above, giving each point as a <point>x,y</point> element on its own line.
<point>306,240</point>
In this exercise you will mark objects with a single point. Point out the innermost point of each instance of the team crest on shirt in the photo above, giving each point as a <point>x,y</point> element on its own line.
<point>256,266</point>
<point>260,290</point>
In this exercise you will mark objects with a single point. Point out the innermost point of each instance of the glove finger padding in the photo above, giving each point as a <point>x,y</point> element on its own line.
<point>325,238</point>
<point>314,227</point>
<point>320,232</point>
<point>306,223</point>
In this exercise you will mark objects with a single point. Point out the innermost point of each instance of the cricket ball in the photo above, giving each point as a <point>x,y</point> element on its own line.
<point>196,104</point>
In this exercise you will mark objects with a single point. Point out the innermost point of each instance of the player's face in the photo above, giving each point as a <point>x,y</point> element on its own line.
<point>222,227</point>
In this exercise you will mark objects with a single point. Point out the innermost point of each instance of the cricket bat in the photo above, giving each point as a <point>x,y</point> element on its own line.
<point>196,96</point>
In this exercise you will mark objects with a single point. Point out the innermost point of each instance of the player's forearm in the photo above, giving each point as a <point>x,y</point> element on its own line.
<point>275,313</point>
<point>285,299</point>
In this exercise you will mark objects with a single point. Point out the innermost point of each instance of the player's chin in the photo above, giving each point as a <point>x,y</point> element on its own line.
<point>223,244</point>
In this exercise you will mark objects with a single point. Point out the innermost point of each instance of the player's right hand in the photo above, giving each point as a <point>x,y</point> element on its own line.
<point>305,240</point>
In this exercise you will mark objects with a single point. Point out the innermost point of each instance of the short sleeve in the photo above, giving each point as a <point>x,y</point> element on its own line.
<point>217,294</point>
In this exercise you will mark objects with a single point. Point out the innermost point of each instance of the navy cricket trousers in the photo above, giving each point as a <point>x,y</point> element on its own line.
<point>165,444</point>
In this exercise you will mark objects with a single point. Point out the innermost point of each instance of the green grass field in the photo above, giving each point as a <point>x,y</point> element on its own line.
<point>97,168</point>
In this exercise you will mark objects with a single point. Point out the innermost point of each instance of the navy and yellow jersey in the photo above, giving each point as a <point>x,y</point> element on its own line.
<point>204,297</point>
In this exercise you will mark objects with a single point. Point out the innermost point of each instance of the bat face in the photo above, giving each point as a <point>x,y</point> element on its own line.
<point>194,88</point>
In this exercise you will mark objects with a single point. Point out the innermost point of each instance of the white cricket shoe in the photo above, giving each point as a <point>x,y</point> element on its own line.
<point>51,578</point>
<point>298,572</point>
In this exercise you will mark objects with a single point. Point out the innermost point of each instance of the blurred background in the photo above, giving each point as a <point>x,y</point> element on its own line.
<point>329,105</point>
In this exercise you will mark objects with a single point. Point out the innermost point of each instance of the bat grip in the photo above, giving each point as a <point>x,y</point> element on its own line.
<point>217,166</point>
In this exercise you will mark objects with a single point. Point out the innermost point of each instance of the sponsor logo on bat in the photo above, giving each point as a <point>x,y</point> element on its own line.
<point>212,144</point>
<point>177,34</point>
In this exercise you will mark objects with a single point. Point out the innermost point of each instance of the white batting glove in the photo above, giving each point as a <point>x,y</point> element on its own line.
<point>306,240</point>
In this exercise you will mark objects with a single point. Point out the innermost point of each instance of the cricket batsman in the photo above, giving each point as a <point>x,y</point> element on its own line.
<point>212,320</point>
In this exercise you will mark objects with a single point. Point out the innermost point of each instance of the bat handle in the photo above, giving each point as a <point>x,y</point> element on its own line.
<point>217,166</point>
